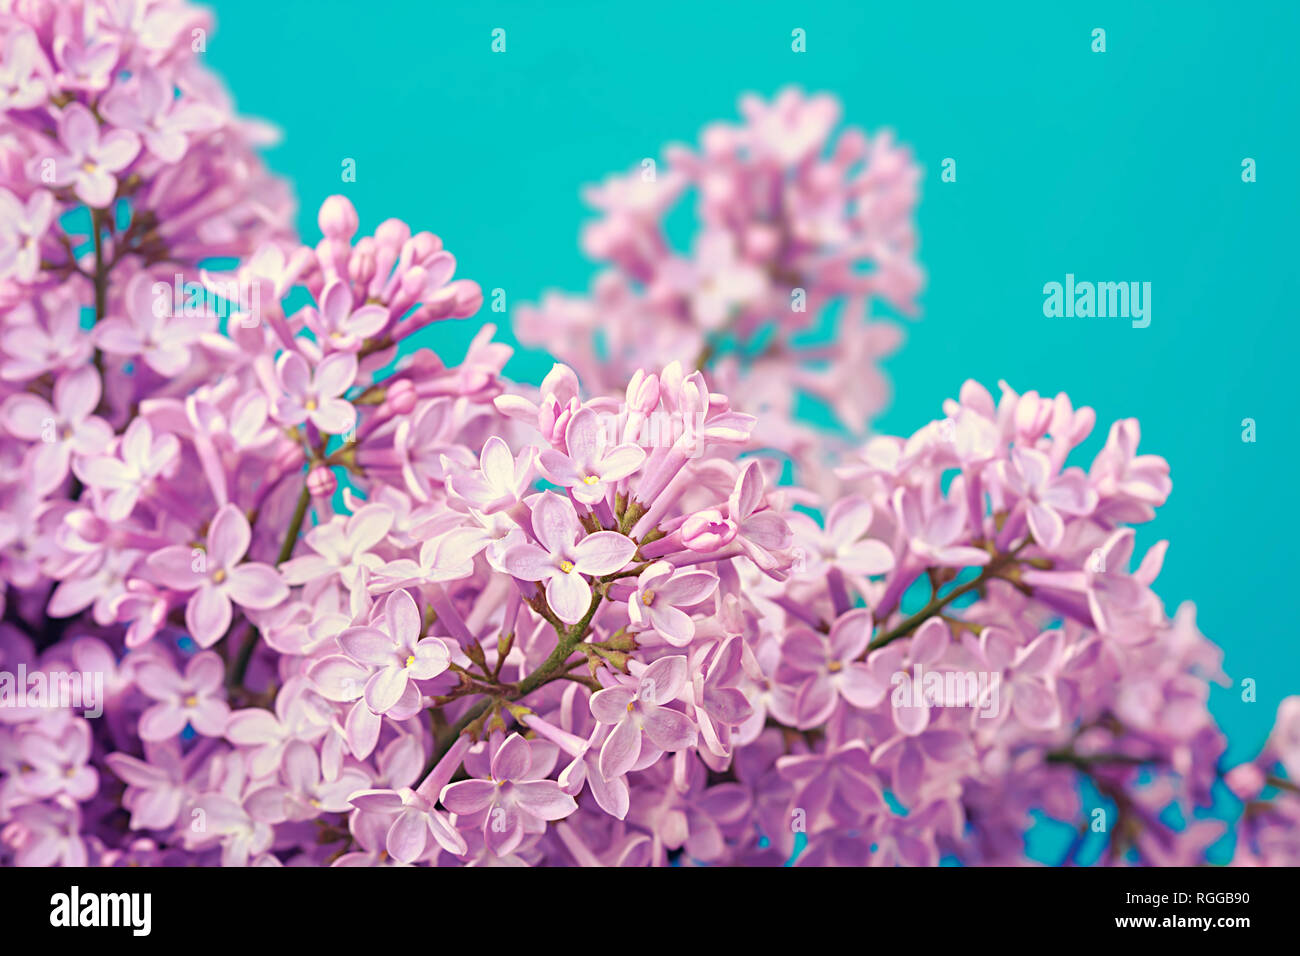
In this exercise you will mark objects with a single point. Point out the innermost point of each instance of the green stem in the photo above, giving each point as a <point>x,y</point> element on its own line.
<point>235,678</point>
<point>937,603</point>
<point>550,669</point>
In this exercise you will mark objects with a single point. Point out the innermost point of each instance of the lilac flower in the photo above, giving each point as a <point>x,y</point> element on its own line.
<point>1029,475</point>
<point>638,709</point>
<point>514,799</point>
<point>194,698</point>
<point>500,481</point>
<point>661,593</point>
<point>315,397</point>
<point>414,822</point>
<point>89,161</point>
<point>560,559</point>
<point>840,782</point>
<point>165,341</point>
<point>24,72</point>
<point>22,227</point>
<point>158,786</point>
<point>825,668</point>
<point>342,547</point>
<point>933,534</point>
<point>147,105</point>
<point>58,764</point>
<point>304,794</point>
<point>588,468</point>
<point>217,577</point>
<point>338,325</point>
<point>138,461</point>
<point>66,428</point>
<point>397,651</point>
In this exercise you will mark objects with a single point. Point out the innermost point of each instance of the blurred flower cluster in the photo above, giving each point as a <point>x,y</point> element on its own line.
<point>799,234</point>
<point>279,590</point>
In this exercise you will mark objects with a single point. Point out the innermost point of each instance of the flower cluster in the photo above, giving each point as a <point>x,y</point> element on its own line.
<point>280,590</point>
<point>790,219</point>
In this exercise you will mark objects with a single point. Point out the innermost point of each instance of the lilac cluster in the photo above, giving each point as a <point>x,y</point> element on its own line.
<point>281,591</point>
<point>791,218</point>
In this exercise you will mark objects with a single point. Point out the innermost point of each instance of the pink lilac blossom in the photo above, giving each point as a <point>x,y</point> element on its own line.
<point>791,217</point>
<point>351,605</point>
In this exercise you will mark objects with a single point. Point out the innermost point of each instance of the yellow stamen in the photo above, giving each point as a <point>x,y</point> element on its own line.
<point>191,701</point>
<point>410,659</point>
<point>590,479</point>
<point>648,598</point>
<point>219,575</point>
<point>835,667</point>
<point>566,567</point>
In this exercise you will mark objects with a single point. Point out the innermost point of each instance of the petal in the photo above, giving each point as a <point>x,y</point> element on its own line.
<point>544,799</point>
<point>369,645</point>
<point>468,796</point>
<point>408,836</point>
<point>603,552</point>
<point>569,596</point>
<point>529,562</point>
<point>336,374</point>
<point>385,688</point>
<point>208,615</point>
<point>255,585</point>
<point>173,567</point>
<point>512,759</point>
<point>674,626</point>
<point>228,537</point>
<point>555,523</point>
<point>689,588</point>
<point>582,437</point>
<point>669,730</point>
<point>403,618</point>
<point>620,462</point>
<point>664,680</point>
<point>1047,526</point>
<point>609,706</point>
<point>620,751</point>
<point>334,416</point>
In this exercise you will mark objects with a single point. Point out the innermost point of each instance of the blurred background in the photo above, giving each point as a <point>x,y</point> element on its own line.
<point>1117,166</point>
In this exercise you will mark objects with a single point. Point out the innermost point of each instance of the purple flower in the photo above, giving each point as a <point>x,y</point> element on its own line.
<point>560,559</point>
<point>217,577</point>
<point>139,459</point>
<point>396,651</point>
<point>638,708</point>
<point>338,325</point>
<point>515,799</point>
<point>315,397</point>
<point>147,105</point>
<point>195,698</point>
<point>22,227</point>
<point>59,431</point>
<point>589,469</point>
<point>826,668</point>
<point>89,160</point>
<point>839,782</point>
<point>500,481</point>
<point>661,593</point>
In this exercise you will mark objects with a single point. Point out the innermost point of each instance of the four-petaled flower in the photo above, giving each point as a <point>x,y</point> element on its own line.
<point>561,560</point>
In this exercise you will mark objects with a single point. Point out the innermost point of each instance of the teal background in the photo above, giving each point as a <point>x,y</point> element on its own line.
<point>1123,165</point>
